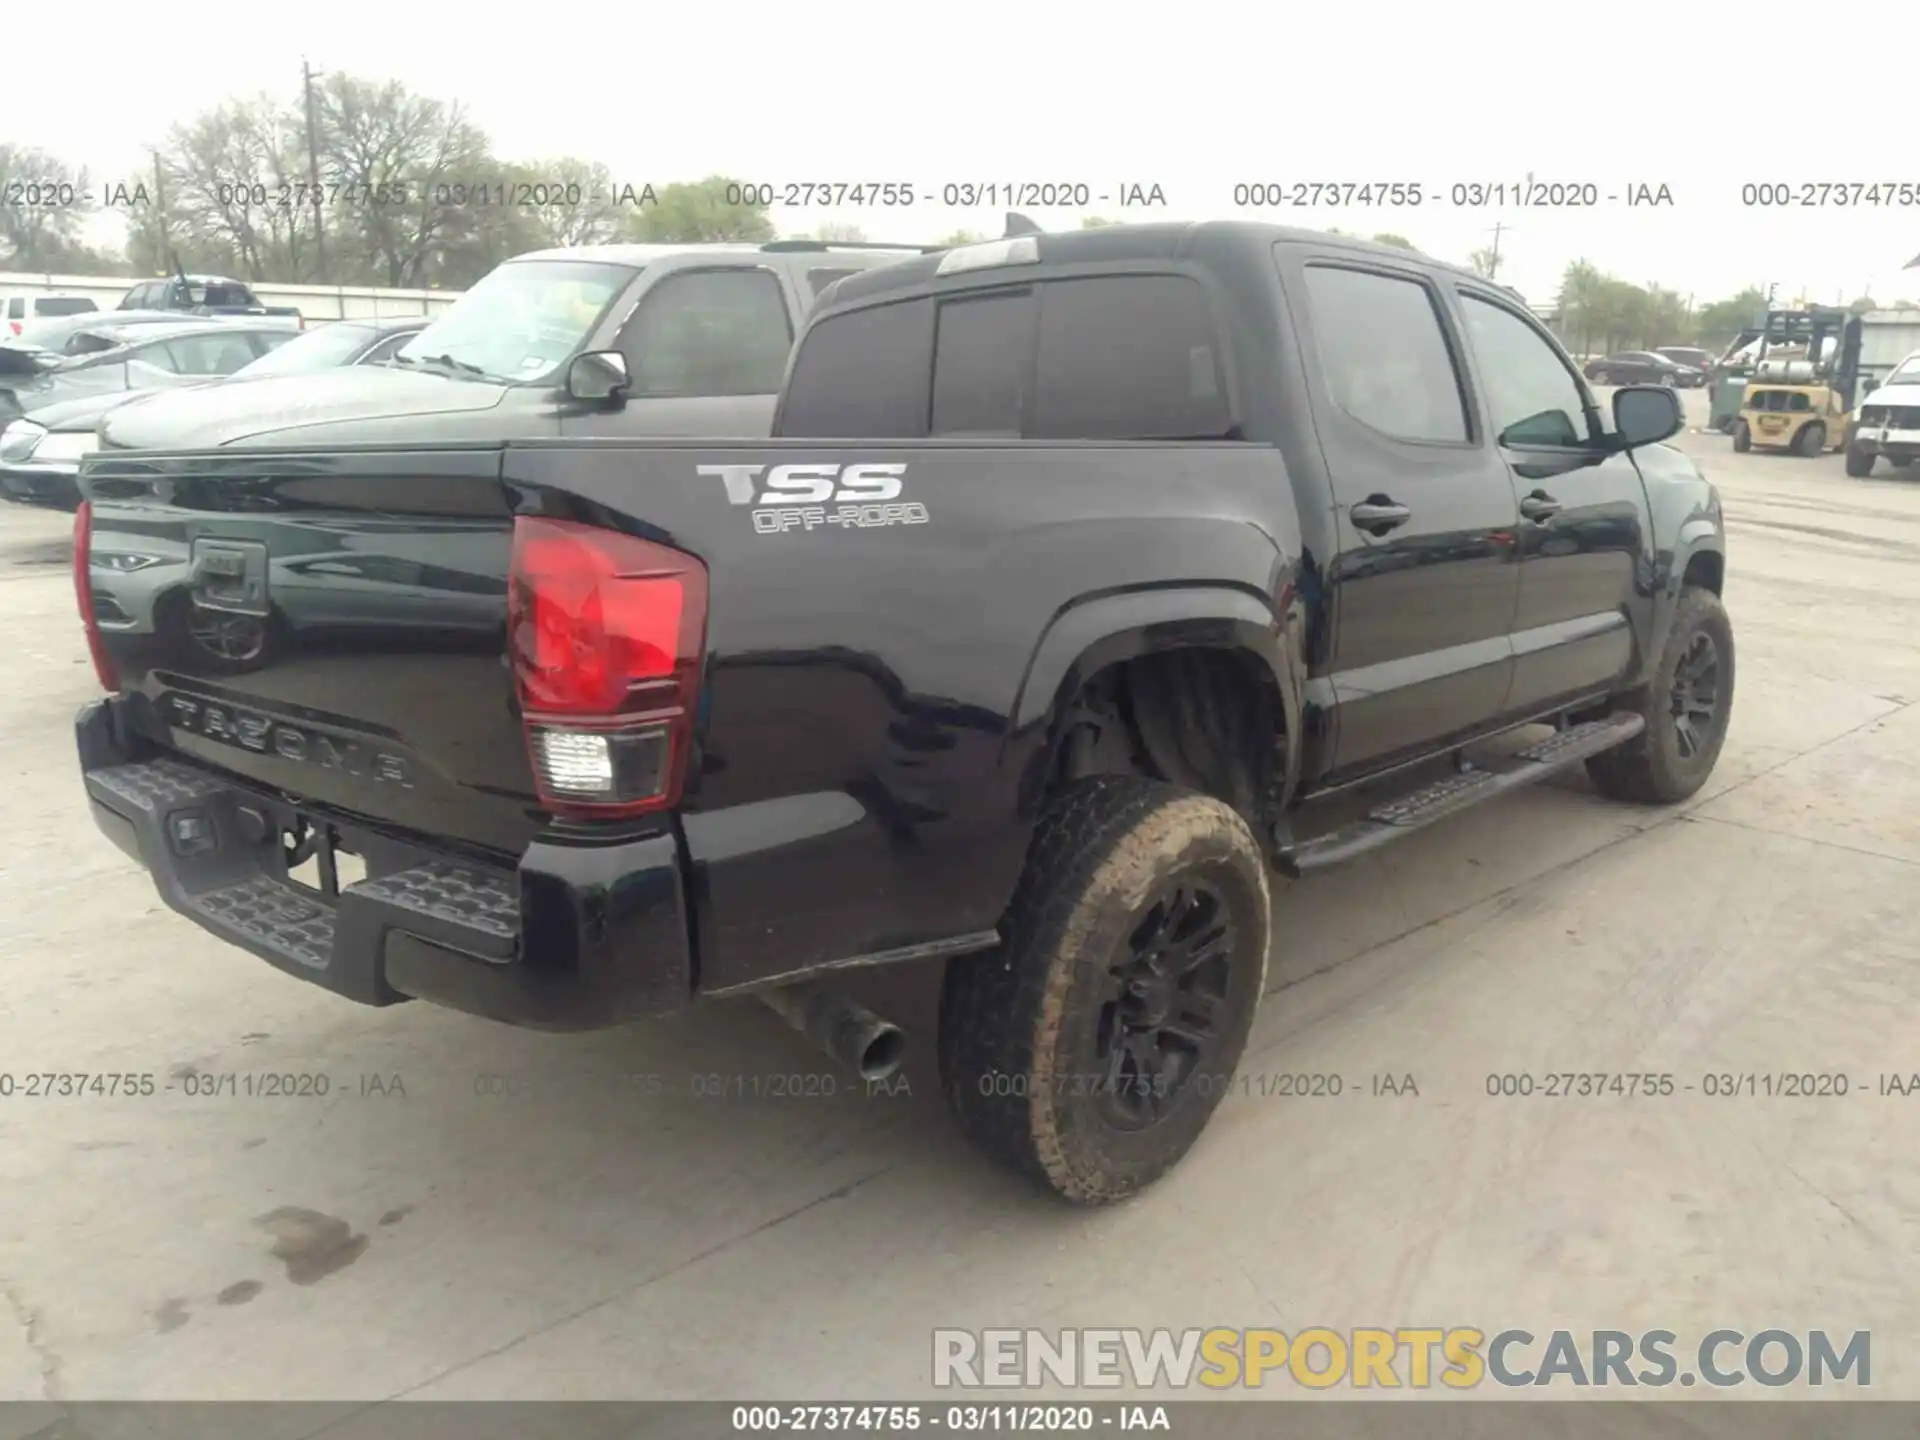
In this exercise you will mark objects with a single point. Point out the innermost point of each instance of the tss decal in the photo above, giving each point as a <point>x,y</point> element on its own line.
<point>794,497</point>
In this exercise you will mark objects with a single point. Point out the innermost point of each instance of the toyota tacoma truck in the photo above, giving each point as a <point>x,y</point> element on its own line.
<point>1078,570</point>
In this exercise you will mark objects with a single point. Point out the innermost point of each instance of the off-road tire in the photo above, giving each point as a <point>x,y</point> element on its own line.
<point>1811,440</point>
<point>1742,437</point>
<point>1650,769</point>
<point>1018,1023</point>
<point>1859,464</point>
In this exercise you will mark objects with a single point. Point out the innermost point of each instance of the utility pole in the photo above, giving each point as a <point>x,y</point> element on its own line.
<point>160,207</point>
<point>1493,265</point>
<point>307,78</point>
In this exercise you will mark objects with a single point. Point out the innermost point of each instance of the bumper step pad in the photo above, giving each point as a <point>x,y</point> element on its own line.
<point>201,839</point>
<point>1417,809</point>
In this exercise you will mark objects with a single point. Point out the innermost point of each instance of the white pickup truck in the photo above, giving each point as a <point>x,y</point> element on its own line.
<point>1887,423</point>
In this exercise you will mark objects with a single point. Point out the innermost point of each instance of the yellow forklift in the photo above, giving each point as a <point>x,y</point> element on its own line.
<point>1802,402</point>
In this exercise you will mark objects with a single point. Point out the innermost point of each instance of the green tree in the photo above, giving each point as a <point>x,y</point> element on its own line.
<point>1398,241</point>
<point>700,211</point>
<point>571,202</point>
<point>1863,305</point>
<point>963,237</point>
<point>1716,324</point>
<point>1097,222</point>
<point>833,233</point>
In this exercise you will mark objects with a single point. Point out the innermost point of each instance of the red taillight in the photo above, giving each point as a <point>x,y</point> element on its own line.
<point>16,326</point>
<point>83,593</point>
<point>607,633</point>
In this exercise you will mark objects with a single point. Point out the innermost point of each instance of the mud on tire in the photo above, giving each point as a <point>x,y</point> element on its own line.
<point>1686,706</point>
<point>1089,1049</point>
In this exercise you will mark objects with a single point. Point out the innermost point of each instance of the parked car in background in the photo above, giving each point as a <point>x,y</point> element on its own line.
<point>337,343</point>
<point>77,334</point>
<point>23,310</point>
<point>1689,357</point>
<point>1636,367</point>
<point>698,337</point>
<point>139,357</point>
<point>200,295</point>
<point>39,457</point>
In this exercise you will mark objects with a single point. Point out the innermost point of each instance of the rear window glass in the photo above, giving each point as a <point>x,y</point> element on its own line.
<point>64,305</point>
<point>983,351</point>
<point>818,280</point>
<point>863,374</point>
<point>1128,357</point>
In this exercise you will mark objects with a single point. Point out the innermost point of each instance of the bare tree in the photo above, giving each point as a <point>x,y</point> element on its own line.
<point>413,177</point>
<point>43,219</point>
<point>235,194</point>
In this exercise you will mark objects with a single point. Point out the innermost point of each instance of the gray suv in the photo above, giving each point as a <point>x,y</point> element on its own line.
<point>597,340</point>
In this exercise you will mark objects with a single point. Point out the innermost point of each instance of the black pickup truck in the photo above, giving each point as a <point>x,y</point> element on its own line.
<point>201,295</point>
<point>1079,566</point>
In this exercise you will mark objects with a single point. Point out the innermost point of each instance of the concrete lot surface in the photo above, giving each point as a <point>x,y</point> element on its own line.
<point>525,1222</point>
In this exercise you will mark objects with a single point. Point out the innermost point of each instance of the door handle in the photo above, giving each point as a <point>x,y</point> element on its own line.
<point>1377,515</point>
<point>1539,506</point>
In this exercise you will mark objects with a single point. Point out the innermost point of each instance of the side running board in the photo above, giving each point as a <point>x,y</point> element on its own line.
<point>1419,808</point>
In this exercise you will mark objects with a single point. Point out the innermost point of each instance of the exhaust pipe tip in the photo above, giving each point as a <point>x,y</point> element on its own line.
<point>884,1053</point>
<point>842,1028</point>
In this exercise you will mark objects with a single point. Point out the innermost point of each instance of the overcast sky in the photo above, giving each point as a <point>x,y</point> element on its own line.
<point>1194,97</point>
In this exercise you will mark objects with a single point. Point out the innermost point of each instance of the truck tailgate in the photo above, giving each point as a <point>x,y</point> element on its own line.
<point>331,628</point>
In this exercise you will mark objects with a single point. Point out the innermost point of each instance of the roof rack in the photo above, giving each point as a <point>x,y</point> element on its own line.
<point>817,245</point>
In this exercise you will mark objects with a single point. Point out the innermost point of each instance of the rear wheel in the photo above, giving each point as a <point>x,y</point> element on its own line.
<point>1742,437</point>
<point>1686,706</point>
<point>1090,1048</point>
<point>1860,463</point>
<point>1811,440</point>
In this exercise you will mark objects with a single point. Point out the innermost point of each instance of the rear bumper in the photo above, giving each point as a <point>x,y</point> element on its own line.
<point>575,937</point>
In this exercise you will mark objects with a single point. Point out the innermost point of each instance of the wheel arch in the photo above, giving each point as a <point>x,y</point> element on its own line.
<point>1101,632</point>
<point>1699,560</point>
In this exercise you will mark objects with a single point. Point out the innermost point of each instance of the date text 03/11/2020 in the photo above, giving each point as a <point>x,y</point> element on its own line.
<point>1461,194</point>
<point>1720,1084</point>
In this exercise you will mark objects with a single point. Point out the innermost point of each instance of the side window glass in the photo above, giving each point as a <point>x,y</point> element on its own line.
<point>16,308</point>
<point>1533,396</point>
<point>207,354</point>
<point>160,357</point>
<point>982,356</point>
<point>383,352</point>
<point>1128,357</point>
<point>709,332</point>
<point>862,375</point>
<point>1386,356</point>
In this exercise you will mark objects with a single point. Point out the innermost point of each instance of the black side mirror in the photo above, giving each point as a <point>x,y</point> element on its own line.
<point>1646,414</point>
<point>597,375</point>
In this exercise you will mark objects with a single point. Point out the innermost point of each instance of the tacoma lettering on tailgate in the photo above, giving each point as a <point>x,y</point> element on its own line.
<point>263,735</point>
